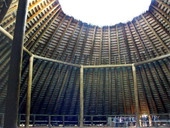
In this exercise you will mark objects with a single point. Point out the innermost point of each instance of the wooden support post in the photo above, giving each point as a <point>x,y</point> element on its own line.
<point>13,88</point>
<point>136,95</point>
<point>81,96</point>
<point>49,121</point>
<point>63,120</point>
<point>34,116</point>
<point>28,105</point>
<point>91,120</point>
<point>1,120</point>
<point>150,120</point>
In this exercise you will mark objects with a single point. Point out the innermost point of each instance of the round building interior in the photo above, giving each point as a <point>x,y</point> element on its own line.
<point>57,71</point>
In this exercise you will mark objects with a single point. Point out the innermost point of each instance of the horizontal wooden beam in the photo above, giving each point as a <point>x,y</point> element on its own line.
<point>56,61</point>
<point>153,59</point>
<point>26,50</point>
<point>11,38</point>
<point>6,33</point>
<point>107,66</point>
<point>90,115</point>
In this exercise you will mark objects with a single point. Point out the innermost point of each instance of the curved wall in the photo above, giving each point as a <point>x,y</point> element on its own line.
<point>52,34</point>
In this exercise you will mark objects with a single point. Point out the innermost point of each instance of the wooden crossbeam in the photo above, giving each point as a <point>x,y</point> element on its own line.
<point>56,61</point>
<point>107,66</point>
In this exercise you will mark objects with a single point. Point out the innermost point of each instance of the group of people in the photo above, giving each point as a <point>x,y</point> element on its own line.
<point>121,121</point>
<point>125,121</point>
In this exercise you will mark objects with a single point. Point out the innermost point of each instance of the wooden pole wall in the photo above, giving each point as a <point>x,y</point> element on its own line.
<point>13,88</point>
<point>28,106</point>
<point>81,96</point>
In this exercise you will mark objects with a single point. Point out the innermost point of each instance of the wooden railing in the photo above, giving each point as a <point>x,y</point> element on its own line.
<point>39,120</point>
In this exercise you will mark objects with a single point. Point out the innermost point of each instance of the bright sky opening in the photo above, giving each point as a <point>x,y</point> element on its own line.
<point>104,12</point>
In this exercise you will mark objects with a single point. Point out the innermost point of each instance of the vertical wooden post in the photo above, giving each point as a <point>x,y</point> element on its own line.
<point>13,88</point>
<point>91,120</point>
<point>150,120</point>
<point>63,120</point>
<point>136,95</point>
<point>1,120</point>
<point>81,96</point>
<point>28,105</point>
<point>19,119</point>
<point>34,120</point>
<point>49,121</point>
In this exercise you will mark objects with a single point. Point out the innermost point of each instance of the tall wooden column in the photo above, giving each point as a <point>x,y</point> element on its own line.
<point>81,96</point>
<point>136,95</point>
<point>13,88</point>
<point>28,106</point>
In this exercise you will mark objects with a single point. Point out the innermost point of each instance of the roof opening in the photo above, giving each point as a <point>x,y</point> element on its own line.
<point>104,12</point>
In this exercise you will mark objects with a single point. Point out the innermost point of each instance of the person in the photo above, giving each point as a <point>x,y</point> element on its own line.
<point>155,119</point>
<point>133,121</point>
<point>109,121</point>
<point>114,121</point>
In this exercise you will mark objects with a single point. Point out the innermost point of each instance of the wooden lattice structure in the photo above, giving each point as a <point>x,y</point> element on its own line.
<point>61,45</point>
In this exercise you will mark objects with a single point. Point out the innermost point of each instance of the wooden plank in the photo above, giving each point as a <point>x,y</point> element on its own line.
<point>118,45</point>
<point>129,89</point>
<point>159,23</point>
<point>48,24</point>
<point>12,99</point>
<point>153,46</point>
<point>155,89</point>
<point>72,54</point>
<point>42,8</point>
<point>109,45</point>
<point>54,94</point>
<point>83,44</point>
<point>122,86</point>
<point>52,12</point>
<point>100,50</point>
<point>134,43</point>
<point>61,38</point>
<point>148,91</point>
<point>93,44</point>
<point>127,44</point>
<point>140,40</point>
<point>69,41</point>
<point>143,93</point>
<point>162,3</point>
<point>62,89</point>
<point>161,13</point>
